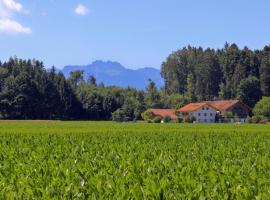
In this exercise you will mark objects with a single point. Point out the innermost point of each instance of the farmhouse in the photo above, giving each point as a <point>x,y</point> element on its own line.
<point>165,113</point>
<point>235,107</point>
<point>212,111</point>
<point>202,112</point>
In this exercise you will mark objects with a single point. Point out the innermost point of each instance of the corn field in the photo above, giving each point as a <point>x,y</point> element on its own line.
<point>106,160</point>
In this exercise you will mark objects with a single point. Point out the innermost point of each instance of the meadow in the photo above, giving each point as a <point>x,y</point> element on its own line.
<point>106,160</point>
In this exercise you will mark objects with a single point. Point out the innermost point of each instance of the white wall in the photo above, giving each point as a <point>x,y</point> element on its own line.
<point>205,114</point>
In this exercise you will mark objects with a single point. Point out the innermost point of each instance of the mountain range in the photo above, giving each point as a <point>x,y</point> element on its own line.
<point>115,74</point>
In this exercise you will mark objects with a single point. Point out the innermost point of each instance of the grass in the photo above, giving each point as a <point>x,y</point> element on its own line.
<point>106,160</point>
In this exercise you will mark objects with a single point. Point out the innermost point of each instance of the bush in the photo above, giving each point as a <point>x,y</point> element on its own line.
<point>257,119</point>
<point>179,120</point>
<point>236,119</point>
<point>157,119</point>
<point>118,115</point>
<point>148,115</point>
<point>263,107</point>
<point>189,119</point>
<point>265,121</point>
<point>166,119</point>
<point>249,120</point>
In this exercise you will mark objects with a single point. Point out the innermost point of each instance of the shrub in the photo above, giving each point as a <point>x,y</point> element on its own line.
<point>263,107</point>
<point>257,119</point>
<point>189,119</point>
<point>249,120</point>
<point>264,121</point>
<point>148,115</point>
<point>236,119</point>
<point>157,119</point>
<point>166,119</point>
<point>179,120</point>
<point>118,115</point>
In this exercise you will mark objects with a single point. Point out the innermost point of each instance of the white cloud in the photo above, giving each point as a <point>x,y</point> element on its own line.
<point>12,27</point>
<point>81,10</point>
<point>8,10</point>
<point>13,5</point>
<point>10,7</point>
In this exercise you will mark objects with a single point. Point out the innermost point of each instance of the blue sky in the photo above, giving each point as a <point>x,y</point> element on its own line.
<point>139,33</point>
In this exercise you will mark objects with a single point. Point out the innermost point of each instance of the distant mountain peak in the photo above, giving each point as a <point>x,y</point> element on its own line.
<point>108,62</point>
<point>113,73</point>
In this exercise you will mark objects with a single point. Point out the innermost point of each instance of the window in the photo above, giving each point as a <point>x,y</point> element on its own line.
<point>211,114</point>
<point>199,114</point>
<point>211,120</point>
<point>205,114</point>
<point>205,120</point>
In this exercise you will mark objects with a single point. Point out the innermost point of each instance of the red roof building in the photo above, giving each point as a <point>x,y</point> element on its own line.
<point>236,107</point>
<point>191,107</point>
<point>227,105</point>
<point>165,113</point>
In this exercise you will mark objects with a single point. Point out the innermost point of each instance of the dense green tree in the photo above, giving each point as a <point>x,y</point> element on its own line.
<point>75,78</point>
<point>152,96</point>
<point>249,91</point>
<point>262,107</point>
<point>174,101</point>
<point>215,74</point>
<point>265,74</point>
<point>191,89</point>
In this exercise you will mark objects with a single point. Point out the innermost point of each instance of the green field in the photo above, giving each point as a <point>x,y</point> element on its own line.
<point>106,160</point>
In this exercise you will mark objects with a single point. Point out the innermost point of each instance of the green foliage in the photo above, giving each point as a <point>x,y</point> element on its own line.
<point>249,91</point>
<point>263,107</point>
<point>174,101</point>
<point>148,115</point>
<point>153,97</point>
<point>157,119</point>
<point>249,120</point>
<point>179,120</point>
<point>106,160</point>
<point>228,116</point>
<point>191,88</point>
<point>227,73</point>
<point>256,119</point>
<point>265,74</point>
<point>28,91</point>
<point>189,119</point>
<point>118,115</point>
<point>166,119</point>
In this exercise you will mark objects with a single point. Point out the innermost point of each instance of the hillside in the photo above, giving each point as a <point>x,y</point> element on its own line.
<point>113,73</point>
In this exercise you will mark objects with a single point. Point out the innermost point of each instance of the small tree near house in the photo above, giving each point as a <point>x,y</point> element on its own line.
<point>148,115</point>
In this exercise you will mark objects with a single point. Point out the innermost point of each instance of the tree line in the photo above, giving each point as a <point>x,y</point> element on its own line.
<point>227,73</point>
<point>30,91</point>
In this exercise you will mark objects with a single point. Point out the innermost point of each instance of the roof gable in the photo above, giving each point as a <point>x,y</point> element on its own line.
<point>224,105</point>
<point>191,107</point>
<point>165,112</point>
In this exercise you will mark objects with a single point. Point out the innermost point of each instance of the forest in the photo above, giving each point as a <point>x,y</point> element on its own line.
<point>227,73</point>
<point>28,90</point>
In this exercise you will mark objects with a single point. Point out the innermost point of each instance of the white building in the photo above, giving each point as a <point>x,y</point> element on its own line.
<point>202,112</point>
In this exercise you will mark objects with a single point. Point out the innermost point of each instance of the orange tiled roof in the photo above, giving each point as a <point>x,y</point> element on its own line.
<point>223,105</point>
<point>165,112</point>
<point>192,107</point>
